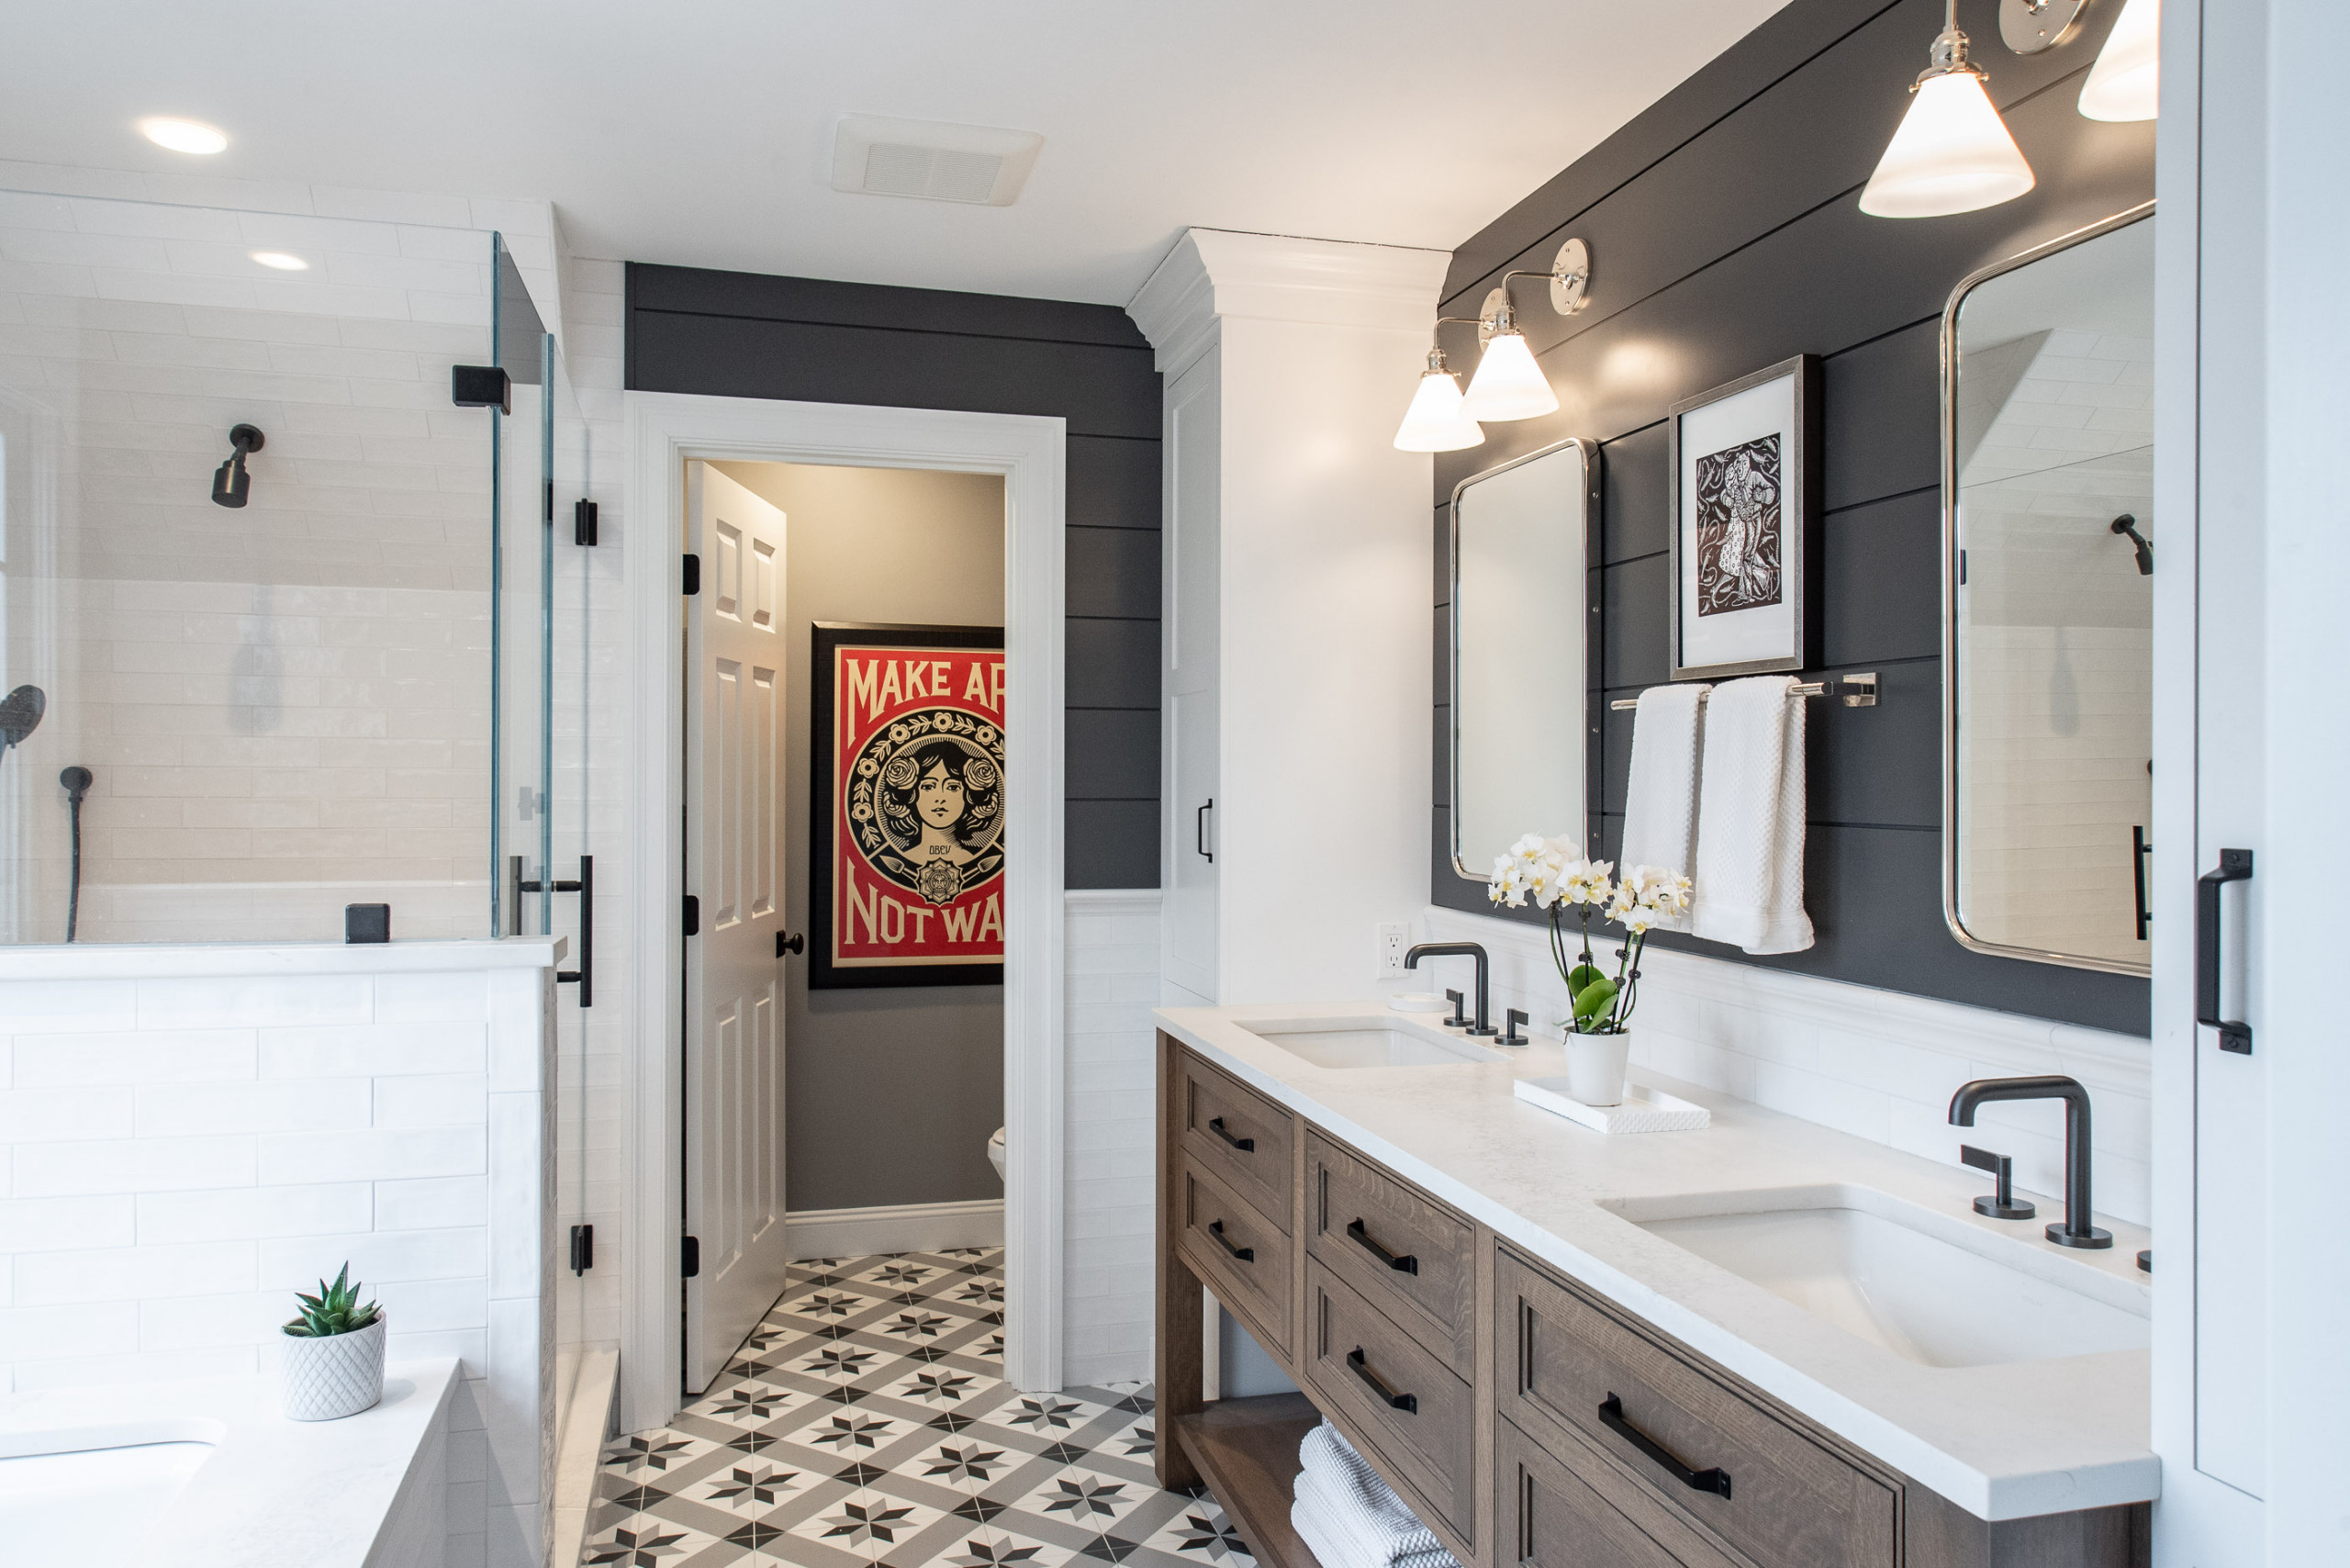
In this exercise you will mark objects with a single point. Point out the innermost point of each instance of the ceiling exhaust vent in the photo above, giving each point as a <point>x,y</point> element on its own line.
<point>930,160</point>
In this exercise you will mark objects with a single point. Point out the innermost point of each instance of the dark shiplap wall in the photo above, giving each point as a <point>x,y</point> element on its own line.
<point>1727,234</point>
<point>748,335</point>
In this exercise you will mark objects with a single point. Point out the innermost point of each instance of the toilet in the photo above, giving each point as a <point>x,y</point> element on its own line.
<point>995,1151</point>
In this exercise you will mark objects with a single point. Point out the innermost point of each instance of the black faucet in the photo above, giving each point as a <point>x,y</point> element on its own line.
<point>2077,1230</point>
<point>1458,950</point>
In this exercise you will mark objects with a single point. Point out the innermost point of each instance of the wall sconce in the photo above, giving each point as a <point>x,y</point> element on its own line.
<point>1953,152</point>
<point>2126,81</point>
<point>230,483</point>
<point>1434,423</point>
<point>1508,384</point>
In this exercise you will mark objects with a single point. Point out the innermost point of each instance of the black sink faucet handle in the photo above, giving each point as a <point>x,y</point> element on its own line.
<point>2001,1204</point>
<point>1456,1019</point>
<point>1515,1017</point>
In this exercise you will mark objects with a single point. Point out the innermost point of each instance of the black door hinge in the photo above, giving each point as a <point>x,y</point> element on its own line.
<point>583,523</point>
<point>693,916</point>
<point>583,1249</point>
<point>481,386</point>
<point>693,575</point>
<point>690,1256</point>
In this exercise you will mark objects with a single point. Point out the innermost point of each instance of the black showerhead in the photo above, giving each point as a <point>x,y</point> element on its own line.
<point>230,483</point>
<point>20,714</point>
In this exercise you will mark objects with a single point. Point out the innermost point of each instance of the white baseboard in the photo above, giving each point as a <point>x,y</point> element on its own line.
<point>901,1228</point>
<point>595,1378</point>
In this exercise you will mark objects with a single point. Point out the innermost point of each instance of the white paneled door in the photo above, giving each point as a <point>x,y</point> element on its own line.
<point>733,1032</point>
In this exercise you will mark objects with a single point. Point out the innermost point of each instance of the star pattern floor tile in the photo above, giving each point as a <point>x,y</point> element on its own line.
<point>867,1424</point>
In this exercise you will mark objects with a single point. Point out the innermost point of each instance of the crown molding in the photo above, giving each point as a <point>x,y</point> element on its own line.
<point>1214,275</point>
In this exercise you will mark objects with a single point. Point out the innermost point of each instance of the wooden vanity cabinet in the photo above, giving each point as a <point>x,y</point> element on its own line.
<point>1527,1420</point>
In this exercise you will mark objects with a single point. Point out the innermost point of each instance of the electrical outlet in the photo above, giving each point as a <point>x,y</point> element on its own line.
<point>1392,940</point>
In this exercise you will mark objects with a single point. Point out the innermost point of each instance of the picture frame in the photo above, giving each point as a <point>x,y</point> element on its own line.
<point>1744,459</point>
<point>905,874</point>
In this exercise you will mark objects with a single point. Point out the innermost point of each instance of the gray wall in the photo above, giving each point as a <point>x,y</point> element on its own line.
<point>749,335</point>
<point>1726,235</point>
<point>889,1094</point>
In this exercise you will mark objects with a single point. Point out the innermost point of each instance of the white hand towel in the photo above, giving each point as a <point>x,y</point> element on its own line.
<point>1749,819</point>
<point>1330,1522</point>
<point>1360,1508</point>
<point>1660,798</point>
<point>1330,1549</point>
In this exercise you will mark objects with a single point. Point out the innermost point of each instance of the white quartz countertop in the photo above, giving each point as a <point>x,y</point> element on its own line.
<point>2002,1441</point>
<point>274,1492</point>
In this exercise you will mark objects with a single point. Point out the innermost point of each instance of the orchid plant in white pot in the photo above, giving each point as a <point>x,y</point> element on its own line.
<point>1553,877</point>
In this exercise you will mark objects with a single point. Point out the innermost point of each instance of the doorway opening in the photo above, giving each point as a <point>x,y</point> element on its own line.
<point>844,839</point>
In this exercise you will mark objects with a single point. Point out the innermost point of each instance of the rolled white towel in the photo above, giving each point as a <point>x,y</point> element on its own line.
<point>1330,1549</point>
<point>1343,1487</point>
<point>1331,1524</point>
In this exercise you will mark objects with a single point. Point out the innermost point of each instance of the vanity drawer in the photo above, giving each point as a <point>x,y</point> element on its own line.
<point>1411,1257</point>
<point>1239,1135</point>
<point>1570,1510</point>
<point>1793,1502</point>
<point>1242,1256</point>
<point>1398,1401</point>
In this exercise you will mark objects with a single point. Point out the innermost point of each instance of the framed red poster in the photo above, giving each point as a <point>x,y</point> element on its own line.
<point>906,850</point>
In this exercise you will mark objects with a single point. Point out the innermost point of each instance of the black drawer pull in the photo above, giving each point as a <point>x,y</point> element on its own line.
<point>1403,1263</point>
<point>1717,1481</point>
<point>1245,1145</point>
<point>1240,1254</point>
<point>1407,1403</point>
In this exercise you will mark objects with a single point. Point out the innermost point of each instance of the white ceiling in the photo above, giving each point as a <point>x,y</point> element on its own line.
<point>699,132</point>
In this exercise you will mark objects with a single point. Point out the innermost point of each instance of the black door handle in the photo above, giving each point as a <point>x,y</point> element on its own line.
<point>2139,850</point>
<point>2235,866</point>
<point>795,943</point>
<point>1407,1403</point>
<point>1717,1480</point>
<point>584,977</point>
<point>1245,1145</point>
<point>1240,1254</point>
<point>1200,830</point>
<point>1402,1263</point>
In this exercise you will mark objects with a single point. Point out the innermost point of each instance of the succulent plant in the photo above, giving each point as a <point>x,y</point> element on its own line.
<point>334,1310</point>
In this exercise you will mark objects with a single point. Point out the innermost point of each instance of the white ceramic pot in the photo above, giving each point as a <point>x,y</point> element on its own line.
<point>1595,1066</point>
<point>337,1376</point>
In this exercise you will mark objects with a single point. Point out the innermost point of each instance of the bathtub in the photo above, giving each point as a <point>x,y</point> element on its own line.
<point>209,1475</point>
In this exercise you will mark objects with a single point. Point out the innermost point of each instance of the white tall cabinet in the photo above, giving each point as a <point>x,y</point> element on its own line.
<point>1295,672</point>
<point>2252,1376</point>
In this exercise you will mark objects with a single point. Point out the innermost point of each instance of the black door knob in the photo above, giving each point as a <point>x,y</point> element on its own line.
<point>795,943</point>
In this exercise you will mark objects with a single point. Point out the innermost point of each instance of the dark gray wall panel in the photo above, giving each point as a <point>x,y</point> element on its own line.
<point>1113,664</point>
<point>1113,571</point>
<point>1727,235</point>
<point>1111,843</point>
<point>1113,482</point>
<point>1113,754</point>
<point>748,335</point>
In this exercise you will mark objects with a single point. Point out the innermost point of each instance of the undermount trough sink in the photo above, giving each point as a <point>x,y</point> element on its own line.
<point>1356,1042</point>
<point>1930,1287</point>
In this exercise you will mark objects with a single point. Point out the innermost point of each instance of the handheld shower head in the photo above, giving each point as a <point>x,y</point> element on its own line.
<point>20,714</point>
<point>230,483</point>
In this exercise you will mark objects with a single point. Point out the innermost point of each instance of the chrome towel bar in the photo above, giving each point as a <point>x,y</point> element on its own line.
<point>1858,690</point>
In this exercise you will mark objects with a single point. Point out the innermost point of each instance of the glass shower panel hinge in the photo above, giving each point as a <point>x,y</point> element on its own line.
<point>526,802</point>
<point>481,386</point>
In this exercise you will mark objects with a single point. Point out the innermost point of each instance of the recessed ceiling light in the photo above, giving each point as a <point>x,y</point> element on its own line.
<point>280,261</point>
<point>182,135</point>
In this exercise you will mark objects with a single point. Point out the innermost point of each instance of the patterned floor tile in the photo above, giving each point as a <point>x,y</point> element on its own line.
<point>865,1424</point>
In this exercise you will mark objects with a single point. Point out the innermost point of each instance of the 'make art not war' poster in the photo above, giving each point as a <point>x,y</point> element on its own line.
<point>917,808</point>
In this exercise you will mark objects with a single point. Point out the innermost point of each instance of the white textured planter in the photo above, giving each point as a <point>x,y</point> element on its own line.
<point>337,1376</point>
<point>1595,1066</point>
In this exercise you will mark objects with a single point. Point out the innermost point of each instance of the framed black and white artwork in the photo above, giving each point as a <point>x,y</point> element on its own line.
<point>1745,502</point>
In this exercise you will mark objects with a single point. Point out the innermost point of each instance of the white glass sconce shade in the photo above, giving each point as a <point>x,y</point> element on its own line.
<point>2125,83</point>
<point>1952,154</point>
<point>1508,384</point>
<point>1434,423</point>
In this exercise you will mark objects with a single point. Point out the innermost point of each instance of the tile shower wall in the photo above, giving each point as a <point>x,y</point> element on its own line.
<point>184,1153</point>
<point>1875,1064</point>
<point>284,705</point>
<point>1112,941</point>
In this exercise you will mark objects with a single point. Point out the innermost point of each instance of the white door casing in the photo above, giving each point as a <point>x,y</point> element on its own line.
<point>734,1048</point>
<point>664,433</point>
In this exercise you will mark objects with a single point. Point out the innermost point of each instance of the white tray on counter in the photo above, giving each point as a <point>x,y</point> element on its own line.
<point>1644,1110</point>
